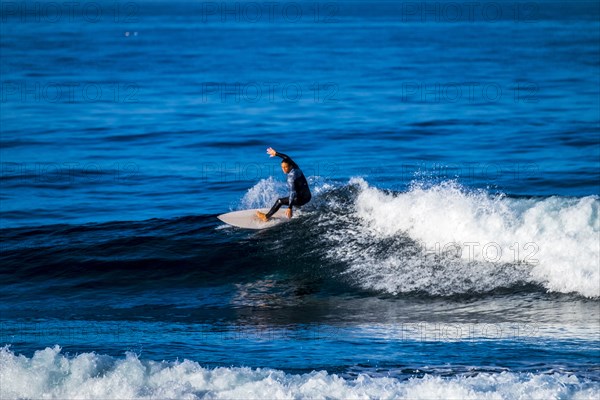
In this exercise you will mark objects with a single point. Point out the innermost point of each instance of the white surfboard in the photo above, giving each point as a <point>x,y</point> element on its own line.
<point>248,219</point>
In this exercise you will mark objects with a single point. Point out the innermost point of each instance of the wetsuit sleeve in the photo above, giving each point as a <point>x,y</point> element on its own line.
<point>286,158</point>
<point>290,181</point>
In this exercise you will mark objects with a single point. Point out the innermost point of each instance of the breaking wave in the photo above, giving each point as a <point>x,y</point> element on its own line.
<point>52,375</point>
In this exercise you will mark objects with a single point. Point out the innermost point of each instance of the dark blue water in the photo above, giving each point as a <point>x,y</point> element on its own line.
<point>126,127</point>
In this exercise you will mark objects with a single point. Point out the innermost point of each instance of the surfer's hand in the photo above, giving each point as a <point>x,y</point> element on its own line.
<point>271,151</point>
<point>288,213</point>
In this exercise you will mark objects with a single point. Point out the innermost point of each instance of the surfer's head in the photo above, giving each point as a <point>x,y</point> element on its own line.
<point>286,167</point>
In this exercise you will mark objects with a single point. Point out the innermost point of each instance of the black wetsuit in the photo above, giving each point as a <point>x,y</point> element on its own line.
<point>299,191</point>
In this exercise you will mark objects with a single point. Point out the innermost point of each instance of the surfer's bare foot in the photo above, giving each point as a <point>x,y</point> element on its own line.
<point>262,216</point>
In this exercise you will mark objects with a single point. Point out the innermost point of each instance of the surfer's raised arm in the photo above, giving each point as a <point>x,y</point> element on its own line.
<point>271,151</point>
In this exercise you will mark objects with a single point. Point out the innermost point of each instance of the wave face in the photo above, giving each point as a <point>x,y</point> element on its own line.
<point>50,374</point>
<point>438,239</point>
<point>444,239</point>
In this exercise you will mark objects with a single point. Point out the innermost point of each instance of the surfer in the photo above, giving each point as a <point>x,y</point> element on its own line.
<point>299,191</point>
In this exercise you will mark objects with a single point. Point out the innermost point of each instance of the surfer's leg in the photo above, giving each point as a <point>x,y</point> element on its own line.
<point>282,201</point>
<point>302,201</point>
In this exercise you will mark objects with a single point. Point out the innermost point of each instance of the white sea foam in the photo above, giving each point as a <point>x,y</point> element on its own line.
<point>262,194</point>
<point>49,374</point>
<point>500,241</point>
<point>553,242</point>
<point>266,191</point>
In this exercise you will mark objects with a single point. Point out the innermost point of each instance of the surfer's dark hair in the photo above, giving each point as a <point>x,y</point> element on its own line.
<point>289,162</point>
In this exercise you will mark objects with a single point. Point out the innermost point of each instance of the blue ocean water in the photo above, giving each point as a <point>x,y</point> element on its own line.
<point>451,249</point>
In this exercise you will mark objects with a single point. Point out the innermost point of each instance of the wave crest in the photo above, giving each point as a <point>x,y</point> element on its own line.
<point>444,239</point>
